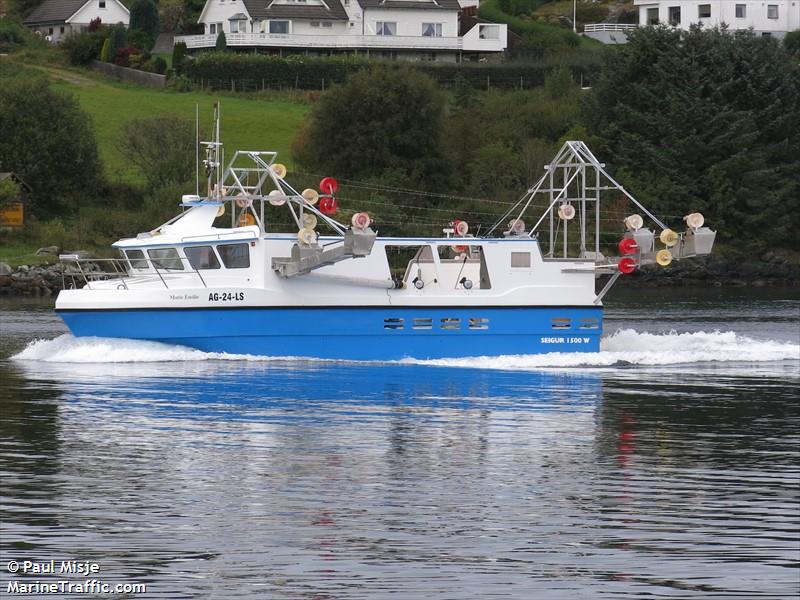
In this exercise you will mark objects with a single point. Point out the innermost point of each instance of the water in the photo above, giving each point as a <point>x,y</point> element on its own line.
<point>665,466</point>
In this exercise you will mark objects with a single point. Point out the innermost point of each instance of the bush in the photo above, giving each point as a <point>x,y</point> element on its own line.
<point>12,35</point>
<point>144,17</point>
<point>792,43</point>
<point>117,39</point>
<point>140,39</point>
<point>123,56</point>
<point>158,65</point>
<point>104,51</point>
<point>162,147</point>
<point>222,43</point>
<point>82,48</point>
<point>178,56</point>
<point>50,144</point>
<point>95,24</point>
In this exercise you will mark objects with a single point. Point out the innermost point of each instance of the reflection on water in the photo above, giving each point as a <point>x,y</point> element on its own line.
<point>302,479</point>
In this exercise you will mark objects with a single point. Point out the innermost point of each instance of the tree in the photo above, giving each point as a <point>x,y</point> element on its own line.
<point>105,52</point>
<point>222,43</point>
<point>10,191</point>
<point>380,119</point>
<point>49,144</point>
<point>163,147</point>
<point>178,56</point>
<point>117,40</point>
<point>792,43</point>
<point>144,17</point>
<point>705,120</point>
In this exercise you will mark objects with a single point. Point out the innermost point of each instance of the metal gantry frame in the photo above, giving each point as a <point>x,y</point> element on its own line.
<point>574,176</point>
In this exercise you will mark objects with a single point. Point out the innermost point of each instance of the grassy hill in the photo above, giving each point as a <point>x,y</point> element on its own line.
<point>247,123</point>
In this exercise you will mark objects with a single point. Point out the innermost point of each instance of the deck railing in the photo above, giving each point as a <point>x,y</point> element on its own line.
<point>597,27</point>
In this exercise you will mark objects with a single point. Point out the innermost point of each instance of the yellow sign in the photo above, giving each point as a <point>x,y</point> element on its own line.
<point>12,215</point>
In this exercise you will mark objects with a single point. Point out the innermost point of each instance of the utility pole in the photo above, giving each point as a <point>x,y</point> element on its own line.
<point>575,16</point>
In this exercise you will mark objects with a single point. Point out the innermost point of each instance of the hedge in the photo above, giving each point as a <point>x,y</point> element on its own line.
<point>251,72</point>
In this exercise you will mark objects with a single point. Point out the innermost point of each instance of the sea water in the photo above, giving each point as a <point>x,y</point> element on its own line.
<point>665,466</point>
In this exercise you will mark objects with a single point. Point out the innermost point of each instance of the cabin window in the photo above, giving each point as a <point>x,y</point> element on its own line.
<point>279,27</point>
<point>234,256</point>
<point>386,28</point>
<point>479,323</point>
<point>674,15</point>
<point>489,32</point>
<point>136,259</point>
<point>741,11</point>
<point>201,257</point>
<point>393,323</point>
<point>431,30</point>
<point>521,260</point>
<point>451,323</point>
<point>772,11</point>
<point>166,258</point>
<point>703,11</point>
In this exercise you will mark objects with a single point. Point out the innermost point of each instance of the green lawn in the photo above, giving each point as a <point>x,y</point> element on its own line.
<point>247,124</point>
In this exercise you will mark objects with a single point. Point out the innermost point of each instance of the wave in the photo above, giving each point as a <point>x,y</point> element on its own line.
<point>625,347</point>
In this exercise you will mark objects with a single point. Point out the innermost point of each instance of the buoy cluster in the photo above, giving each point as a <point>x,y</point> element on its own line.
<point>629,247</point>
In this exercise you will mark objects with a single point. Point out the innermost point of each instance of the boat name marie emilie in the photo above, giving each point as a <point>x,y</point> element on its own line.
<point>184,297</point>
<point>62,566</point>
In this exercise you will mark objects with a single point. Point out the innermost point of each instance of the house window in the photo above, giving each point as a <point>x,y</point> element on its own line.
<point>327,24</point>
<point>279,26</point>
<point>62,29</point>
<point>102,3</point>
<point>772,11</point>
<point>489,32</point>
<point>674,15</point>
<point>50,31</point>
<point>238,26</point>
<point>741,11</point>
<point>347,2</point>
<point>703,11</point>
<point>314,23</point>
<point>431,30</point>
<point>652,16</point>
<point>386,28</point>
<point>212,29</point>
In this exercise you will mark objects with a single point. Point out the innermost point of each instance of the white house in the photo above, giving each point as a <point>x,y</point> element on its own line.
<point>766,17</point>
<point>414,29</point>
<point>55,19</point>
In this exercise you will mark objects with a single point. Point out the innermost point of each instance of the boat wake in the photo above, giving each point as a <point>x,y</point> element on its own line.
<point>626,347</point>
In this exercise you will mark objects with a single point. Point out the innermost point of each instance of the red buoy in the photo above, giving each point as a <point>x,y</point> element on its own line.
<point>328,206</point>
<point>628,246</point>
<point>328,185</point>
<point>626,266</point>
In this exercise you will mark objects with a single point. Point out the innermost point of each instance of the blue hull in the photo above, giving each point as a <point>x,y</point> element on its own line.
<point>354,333</point>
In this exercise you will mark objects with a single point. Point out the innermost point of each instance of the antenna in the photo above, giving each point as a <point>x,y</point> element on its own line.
<point>197,149</point>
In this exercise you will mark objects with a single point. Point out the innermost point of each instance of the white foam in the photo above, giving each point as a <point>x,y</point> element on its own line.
<point>626,346</point>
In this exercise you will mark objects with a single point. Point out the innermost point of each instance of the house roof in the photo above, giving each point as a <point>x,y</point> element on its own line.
<point>56,11</point>
<point>267,9</point>
<point>416,4</point>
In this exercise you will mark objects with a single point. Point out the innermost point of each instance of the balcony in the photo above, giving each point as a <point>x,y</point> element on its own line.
<point>481,38</point>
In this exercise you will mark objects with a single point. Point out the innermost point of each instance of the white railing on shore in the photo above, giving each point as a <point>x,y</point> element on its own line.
<point>377,42</point>
<point>595,27</point>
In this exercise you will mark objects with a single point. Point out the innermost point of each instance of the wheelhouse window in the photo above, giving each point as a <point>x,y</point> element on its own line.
<point>386,28</point>
<point>521,260</point>
<point>674,15</point>
<point>279,27</point>
<point>741,11</point>
<point>489,32</point>
<point>166,258</point>
<point>772,11</point>
<point>703,11</point>
<point>201,257</point>
<point>234,256</point>
<point>431,30</point>
<point>136,259</point>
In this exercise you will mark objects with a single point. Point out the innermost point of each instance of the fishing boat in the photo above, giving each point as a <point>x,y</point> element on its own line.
<point>217,277</point>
